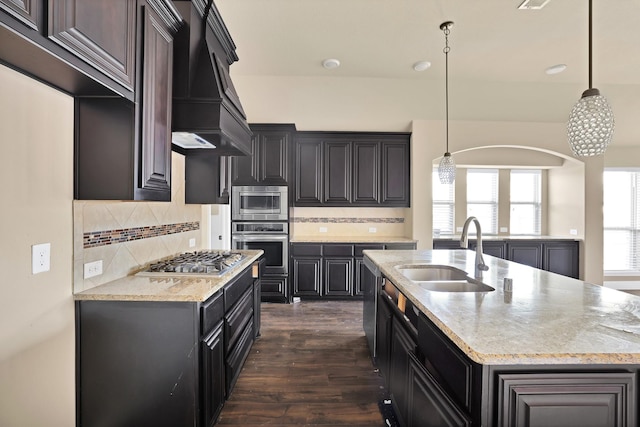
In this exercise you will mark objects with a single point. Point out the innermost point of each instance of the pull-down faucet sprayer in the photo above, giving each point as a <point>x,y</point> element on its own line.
<point>464,243</point>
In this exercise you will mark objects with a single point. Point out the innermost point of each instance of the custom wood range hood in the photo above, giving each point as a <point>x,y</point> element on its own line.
<point>207,114</point>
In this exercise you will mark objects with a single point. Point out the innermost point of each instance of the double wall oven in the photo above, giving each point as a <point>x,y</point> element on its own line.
<point>260,220</point>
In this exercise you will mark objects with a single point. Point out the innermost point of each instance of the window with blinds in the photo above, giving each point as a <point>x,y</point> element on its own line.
<point>482,198</point>
<point>443,206</point>
<point>621,194</point>
<point>526,205</point>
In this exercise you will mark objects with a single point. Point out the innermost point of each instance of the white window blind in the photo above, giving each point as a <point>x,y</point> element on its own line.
<point>621,194</point>
<point>482,198</point>
<point>443,206</point>
<point>526,209</point>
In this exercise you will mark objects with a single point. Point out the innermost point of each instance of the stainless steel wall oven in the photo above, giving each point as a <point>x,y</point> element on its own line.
<point>271,237</point>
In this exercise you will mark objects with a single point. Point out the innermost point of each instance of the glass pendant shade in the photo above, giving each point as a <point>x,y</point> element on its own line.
<point>447,169</point>
<point>591,124</point>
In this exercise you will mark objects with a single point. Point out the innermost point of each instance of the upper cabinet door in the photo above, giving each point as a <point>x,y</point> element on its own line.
<point>27,11</point>
<point>337,172</point>
<point>274,158</point>
<point>366,179</point>
<point>156,68</point>
<point>102,33</point>
<point>395,173</point>
<point>308,164</point>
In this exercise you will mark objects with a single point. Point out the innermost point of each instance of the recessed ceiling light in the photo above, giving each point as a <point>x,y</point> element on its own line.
<point>330,63</point>
<point>421,65</point>
<point>556,69</point>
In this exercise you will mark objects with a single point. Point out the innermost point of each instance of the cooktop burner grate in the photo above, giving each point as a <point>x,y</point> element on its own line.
<point>200,262</point>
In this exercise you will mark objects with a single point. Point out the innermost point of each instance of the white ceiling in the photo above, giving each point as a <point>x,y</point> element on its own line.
<point>497,59</point>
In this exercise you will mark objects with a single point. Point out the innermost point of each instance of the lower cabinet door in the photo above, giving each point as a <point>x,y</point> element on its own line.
<point>580,399</point>
<point>307,277</point>
<point>428,404</point>
<point>402,345</point>
<point>338,276</point>
<point>212,376</point>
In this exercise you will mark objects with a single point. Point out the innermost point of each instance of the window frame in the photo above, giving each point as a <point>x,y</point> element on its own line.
<point>449,204</point>
<point>487,229</point>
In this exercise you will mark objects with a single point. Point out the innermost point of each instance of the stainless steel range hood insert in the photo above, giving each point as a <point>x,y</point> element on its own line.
<point>207,113</point>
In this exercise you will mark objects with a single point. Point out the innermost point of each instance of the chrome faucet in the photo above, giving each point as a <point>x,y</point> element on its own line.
<point>464,243</point>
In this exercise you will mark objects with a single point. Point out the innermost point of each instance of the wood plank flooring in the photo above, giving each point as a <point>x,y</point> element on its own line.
<point>311,367</point>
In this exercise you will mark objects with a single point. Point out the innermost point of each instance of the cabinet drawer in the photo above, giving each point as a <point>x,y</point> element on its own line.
<point>357,249</point>
<point>445,361</point>
<point>306,250</point>
<point>237,319</point>
<point>235,360</point>
<point>212,312</point>
<point>234,290</point>
<point>337,250</point>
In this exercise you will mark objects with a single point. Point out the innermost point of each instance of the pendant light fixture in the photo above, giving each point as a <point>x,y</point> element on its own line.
<point>447,166</point>
<point>591,123</point>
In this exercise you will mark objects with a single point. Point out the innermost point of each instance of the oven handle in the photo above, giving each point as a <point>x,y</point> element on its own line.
<point>263,237</point>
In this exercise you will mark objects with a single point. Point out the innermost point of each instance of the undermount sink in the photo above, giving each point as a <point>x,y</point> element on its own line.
<point>442,278</point>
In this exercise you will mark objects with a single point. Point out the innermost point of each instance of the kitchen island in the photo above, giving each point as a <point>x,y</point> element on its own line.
<point>553,351</point>
<point>167,349</point>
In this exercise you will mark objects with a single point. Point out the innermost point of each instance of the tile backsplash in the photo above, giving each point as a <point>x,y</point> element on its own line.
<point>128,235</point>
<point>357,222</point>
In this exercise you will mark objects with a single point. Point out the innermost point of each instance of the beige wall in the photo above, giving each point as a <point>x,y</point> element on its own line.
<point>37,363</point>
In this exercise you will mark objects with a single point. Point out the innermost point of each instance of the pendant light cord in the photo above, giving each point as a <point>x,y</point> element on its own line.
<point>446,80</point>
<point>590,43</point>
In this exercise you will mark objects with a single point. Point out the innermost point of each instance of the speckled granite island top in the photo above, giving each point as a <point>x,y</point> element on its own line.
<point>195,288</point>
<point>546,319</point>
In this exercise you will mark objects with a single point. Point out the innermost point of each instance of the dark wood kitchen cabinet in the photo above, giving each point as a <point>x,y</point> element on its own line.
<point>29,12</point>
<point>352,169</point>
<point>561,256</point>
<point>306,268</point>
<point>162,363</point>
<point>332,270</point>
<point>123,149</point>
<point>270,159</point>
<point>103,34</point>
<point>337,173</point>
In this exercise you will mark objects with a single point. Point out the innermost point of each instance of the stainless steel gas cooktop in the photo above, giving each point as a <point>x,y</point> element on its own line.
<point>194,263</point>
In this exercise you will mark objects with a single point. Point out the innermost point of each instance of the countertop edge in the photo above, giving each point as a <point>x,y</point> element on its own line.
<point>199,288</point>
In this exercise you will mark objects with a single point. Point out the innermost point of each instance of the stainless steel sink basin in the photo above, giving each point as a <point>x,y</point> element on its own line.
<point>429,273</point>
<point>442,278</point>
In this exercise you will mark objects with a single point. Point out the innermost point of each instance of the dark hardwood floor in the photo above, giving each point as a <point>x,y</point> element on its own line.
<point>310,367</point>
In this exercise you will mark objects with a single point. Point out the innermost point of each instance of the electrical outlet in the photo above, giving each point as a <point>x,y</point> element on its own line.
<point>504,229</point>
<point>40,258</point>
<point>92,269</point>
<point>573,232</point>
<point>458,229</point>
<point>323,229</point>
<point>373,230</point>
<point>192,243</point>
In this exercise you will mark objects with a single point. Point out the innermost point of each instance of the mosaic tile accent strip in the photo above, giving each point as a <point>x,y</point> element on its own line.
<point>94,239</point>
<point>349,220</point>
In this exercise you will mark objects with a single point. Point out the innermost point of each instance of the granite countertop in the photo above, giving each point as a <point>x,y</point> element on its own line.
<point>194,288</point>
<point>350,239</point>
<point>546,319</point>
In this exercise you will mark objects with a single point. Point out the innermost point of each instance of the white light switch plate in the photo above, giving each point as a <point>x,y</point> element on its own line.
<point>373,230</point>
<point>323,229</point>
<point>192,243</point>
<point>40,258</point>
